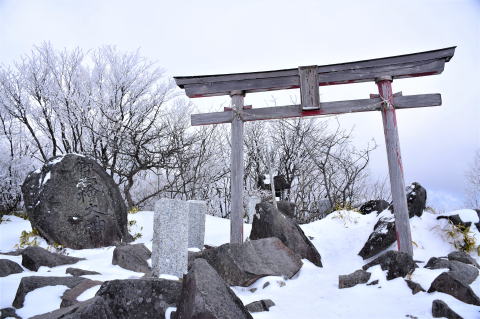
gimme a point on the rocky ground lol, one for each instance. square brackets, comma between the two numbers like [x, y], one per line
[345, 286]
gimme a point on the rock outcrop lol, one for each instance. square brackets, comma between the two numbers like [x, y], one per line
[269, 222]
[72, 201]
[378, 206]
[397, 264]
[242, 264]
[205, 295]
[35, 257]
[357, 277]
[8, 267]
[448, 284]
[132, 257]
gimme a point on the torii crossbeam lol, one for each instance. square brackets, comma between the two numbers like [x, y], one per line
[308, 78]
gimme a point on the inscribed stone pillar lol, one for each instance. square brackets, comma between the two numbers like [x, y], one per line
[196, 223]
[170, 237]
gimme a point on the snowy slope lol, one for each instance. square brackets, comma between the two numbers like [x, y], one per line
[312, 293]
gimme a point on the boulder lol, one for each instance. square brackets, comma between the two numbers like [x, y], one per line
[80, 272]
[463, 257]
[382, 237]
[28, 284]
[140, 298]
[458, 270]
[358, 277]
[72, 201]
[260, 305]
[8, 313]
[416, 199]
[378, 206]
[132, 257]
[441, 310]
[242, 264]
[269, 222]
[94, 308]
[205, 295]
[397, 264]
[415, 287]
[456, 220]
[448, 284]
[287, 208]
[70, 296]
[35, 257]
[8, 267]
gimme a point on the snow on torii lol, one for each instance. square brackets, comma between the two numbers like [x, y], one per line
[308, 79]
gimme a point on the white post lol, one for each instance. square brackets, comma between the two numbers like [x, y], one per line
[237, 169]
[397, 183]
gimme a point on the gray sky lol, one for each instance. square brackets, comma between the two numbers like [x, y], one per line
[208, 37]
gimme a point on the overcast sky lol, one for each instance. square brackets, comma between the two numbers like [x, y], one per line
[209, 37]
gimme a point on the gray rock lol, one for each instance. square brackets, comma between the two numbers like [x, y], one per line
[7, 313]
[460, 271]
[205, 295]
[72, 201]
[448, 284]
[8, 267]
[415, 287]
[94, 308]
[353, 279]
[456, 220]
[170, 237]
[69, 297]
[28, 284]
[441, 310]
[260, 305]
[140, 298]
[242, 264]
[382, 237]
[80, 272]
[416, 199]
[373, 283]
[35, 257]
[397, 264]
[463, 257]
[269, 222]
[286, 208]
[132, 257]
[378, 206]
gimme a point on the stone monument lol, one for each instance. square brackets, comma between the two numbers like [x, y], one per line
[72, 201]
[196, 223]
[170, 237]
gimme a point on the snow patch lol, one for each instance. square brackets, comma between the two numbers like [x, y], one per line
[89, 293]
[46, 178]
[466, 215]
[42, 300]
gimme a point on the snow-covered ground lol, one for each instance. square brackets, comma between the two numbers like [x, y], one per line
[312, 293]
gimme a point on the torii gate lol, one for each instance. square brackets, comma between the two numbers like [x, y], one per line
[308, 79]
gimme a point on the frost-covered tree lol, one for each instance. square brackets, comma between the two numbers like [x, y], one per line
[473, 180]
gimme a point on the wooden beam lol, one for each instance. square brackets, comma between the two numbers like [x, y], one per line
[337, 107]
[395, 168]
[403, 66]
[237, 170]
